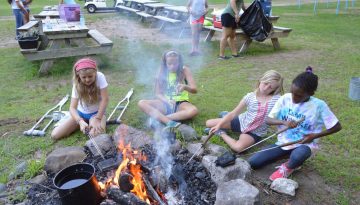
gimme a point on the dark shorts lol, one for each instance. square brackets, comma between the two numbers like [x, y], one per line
[85, 116]
[169, 109]
[228, 21]
[235, 127]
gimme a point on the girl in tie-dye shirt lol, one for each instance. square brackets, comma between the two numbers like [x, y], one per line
[292, 107]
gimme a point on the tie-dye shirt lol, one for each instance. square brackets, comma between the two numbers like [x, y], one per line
[316, 113]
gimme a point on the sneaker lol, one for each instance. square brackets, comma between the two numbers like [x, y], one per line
[207, 130]
[172, 124]
[223, 113]
[194, 53]
[282, 172]
[223, 57]
[153, 123]
[219, 132]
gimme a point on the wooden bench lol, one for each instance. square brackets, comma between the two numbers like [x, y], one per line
[125, 8]
[166, 20]
[143, 15]
[100, 38]
[28, 26]
[277, 32]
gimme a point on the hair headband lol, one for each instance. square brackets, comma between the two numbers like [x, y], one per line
[85, 63]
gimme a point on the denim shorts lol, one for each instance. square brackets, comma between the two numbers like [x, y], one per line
[169, 109]
[86, 116]
[235, 127]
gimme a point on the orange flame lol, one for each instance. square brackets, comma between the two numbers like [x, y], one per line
[129, 164]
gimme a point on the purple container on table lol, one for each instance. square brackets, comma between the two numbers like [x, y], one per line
[69, 12]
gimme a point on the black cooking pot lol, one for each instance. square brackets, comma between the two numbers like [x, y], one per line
[77, 185]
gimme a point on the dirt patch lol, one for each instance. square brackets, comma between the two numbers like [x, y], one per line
[312, 188]
[9, 121]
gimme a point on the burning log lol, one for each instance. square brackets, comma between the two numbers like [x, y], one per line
[121, 197]
[152, 192]
[125, 182]
[158, 179]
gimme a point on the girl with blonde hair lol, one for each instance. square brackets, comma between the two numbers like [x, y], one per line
[89, 100]
[251, 123]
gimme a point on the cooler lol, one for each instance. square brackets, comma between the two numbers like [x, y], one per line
[217, 21]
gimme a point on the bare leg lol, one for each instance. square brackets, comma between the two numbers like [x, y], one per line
[155, 109]
[244, 141]
[224, 36]
[232, 38]
[196, 29]
[64, 129]
[212, 122]
[185, 111]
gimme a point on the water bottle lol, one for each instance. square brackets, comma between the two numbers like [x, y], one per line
[48, 23]
[82, 19]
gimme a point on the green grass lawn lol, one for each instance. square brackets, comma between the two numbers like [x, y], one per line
[329, 43]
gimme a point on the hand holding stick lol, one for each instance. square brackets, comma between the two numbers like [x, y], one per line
[202, 146]
[276, 133]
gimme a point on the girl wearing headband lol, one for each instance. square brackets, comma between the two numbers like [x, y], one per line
[89, 99]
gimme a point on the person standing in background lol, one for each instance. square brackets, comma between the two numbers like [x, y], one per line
[26, 4]
[19, 12]
[229, 21]
[197, 10]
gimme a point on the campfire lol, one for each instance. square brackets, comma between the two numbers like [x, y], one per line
[129, 176]
[140, 171]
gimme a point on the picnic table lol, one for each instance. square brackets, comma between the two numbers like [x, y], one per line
[133, 6]
[138, 4]
[154, 8]
[51, 13]
[277, 32]
[64, 39]
[175, 16]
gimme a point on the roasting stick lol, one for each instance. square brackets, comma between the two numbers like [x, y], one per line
[282, 145]
[202, 146]
[276, 133]
[87, 133]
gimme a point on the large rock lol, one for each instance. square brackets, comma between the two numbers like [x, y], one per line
[237, 192]
[63, 157]
[19, 171]
[104, 143]
[214, 149]
[285, 186]
[2, 187]
[127, 134]
[193, 148]
[39, 179]
[240, 170]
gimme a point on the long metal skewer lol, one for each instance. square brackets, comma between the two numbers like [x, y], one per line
[282, 145]
[87, 133]
[276, 133]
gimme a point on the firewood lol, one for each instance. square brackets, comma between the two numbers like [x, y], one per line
[125, 182]
[121, 197]
[152, 192]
